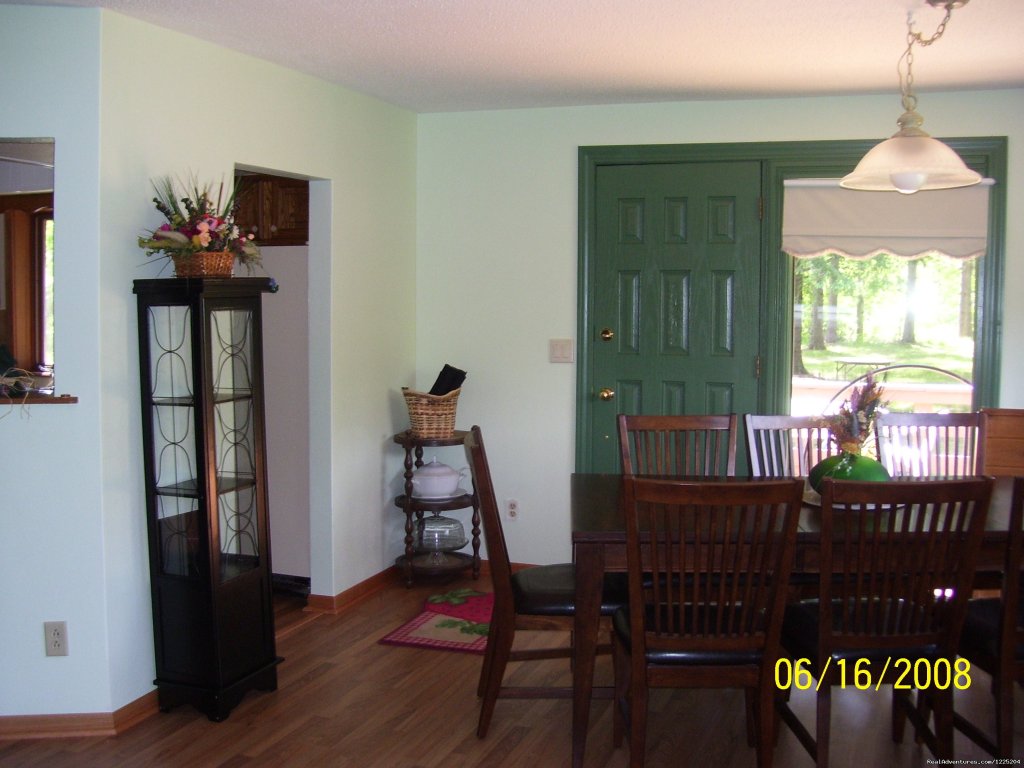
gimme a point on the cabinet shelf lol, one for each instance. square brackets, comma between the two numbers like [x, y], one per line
[423, 564]
[434, 505]
[189, 488]
[231, 395]
[186, 401]
[220, 396]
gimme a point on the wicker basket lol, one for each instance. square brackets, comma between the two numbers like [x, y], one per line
[204, 264]
[431, 416]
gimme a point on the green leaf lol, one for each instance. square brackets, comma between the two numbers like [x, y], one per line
[455, 597]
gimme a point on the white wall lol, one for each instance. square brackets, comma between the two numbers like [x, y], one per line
[497, 258]
[286, 387]
[72, 522]
[52, 539]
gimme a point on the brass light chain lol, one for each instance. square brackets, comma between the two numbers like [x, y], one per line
[907, 84]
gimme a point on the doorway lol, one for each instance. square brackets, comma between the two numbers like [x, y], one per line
[676, 262]
[276, 209]
[773, 306]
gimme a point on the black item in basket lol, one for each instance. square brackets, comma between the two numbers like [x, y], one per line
[448, 380]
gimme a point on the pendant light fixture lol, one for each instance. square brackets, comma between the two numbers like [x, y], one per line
[912, 160]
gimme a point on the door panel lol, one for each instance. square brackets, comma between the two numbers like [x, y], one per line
[676, 281]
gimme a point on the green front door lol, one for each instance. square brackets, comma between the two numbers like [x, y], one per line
[674, 322]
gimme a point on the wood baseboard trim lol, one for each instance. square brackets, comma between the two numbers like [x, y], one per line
[351, 597]
[284, 584]
[135, 712]
[78, 726]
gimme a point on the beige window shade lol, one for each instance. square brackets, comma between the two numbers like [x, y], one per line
[820, 217]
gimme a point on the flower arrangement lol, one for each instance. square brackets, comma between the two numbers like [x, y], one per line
[851, 425]
[196, 223]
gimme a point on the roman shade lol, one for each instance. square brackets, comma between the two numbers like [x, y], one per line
[819, 217]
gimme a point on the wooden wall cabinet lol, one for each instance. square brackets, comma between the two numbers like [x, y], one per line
[201, 375]
[273, 208]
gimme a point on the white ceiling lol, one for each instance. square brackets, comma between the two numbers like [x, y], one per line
[454, 55]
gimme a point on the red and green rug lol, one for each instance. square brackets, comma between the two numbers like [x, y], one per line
[452, 621]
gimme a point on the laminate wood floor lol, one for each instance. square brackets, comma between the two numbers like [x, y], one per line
[345, 701]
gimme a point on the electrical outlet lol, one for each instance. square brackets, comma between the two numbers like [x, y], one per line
[512, 507]
[56, 635]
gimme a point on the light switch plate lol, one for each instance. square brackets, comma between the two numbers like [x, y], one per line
[560, 351]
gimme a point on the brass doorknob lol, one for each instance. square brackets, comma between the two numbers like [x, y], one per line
[607, 334]
[606, 394]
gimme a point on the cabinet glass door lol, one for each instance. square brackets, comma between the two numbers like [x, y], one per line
[179, 518]
[231, 374]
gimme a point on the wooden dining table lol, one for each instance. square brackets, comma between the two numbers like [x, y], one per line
[599, 546]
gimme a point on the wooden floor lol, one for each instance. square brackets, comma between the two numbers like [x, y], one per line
[346, 701]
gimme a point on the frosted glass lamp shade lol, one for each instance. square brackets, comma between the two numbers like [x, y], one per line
[910, 163]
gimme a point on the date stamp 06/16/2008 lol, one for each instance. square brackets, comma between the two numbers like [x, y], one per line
[904, 674]
[970, 761]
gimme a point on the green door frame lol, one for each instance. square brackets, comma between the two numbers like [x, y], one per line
[781, 161]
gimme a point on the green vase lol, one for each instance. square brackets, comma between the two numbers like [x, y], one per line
[847, 466]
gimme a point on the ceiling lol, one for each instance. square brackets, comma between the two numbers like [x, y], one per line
[456, 55]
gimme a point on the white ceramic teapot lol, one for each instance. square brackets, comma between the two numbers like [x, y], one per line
[435, 480]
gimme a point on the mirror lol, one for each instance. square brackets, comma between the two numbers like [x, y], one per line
[26, 254]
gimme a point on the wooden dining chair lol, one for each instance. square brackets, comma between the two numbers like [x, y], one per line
[929, 444]
[897, 564]
[539, 597]
[708, 563]
[993, 639]
[785, 446]
[1002, 441]
[692, 445]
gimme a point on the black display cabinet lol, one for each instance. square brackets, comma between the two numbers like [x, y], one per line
[201, 371]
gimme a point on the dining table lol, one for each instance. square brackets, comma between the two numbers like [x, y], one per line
[599, 547]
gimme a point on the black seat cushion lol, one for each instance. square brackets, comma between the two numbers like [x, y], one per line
[980, 636]
[800, 638]
[680, 655]
[550, 590]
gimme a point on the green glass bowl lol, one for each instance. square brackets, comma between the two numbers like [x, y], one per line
[847, 466]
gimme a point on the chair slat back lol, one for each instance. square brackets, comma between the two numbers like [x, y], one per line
[709, 561]
[898, 559]
[687, 445]
[929, 444]
[494, 535]
[1003, 441]
[785, 446]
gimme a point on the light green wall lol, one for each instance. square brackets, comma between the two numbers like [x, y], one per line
[127, 101]
[498, 249]
[443, 238]
[52, 547]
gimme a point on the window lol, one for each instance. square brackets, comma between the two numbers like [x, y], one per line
[831, 160]
[912, 320]
[884, 283]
